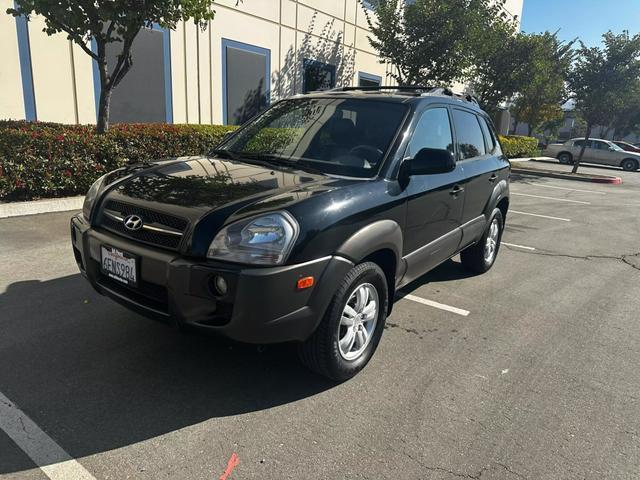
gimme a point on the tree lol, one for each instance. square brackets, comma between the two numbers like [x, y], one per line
[628, 120]
[543, 84]
[500, 65]
[603, 79]
[111, 21]
[431, 42]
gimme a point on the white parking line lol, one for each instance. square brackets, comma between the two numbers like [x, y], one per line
[54, 462]
[565, 188]
[541, 216]
[433, 304]
[551, 198]
[518, 246]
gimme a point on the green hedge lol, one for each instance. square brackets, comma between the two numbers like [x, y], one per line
[39, 160]
[517, 146]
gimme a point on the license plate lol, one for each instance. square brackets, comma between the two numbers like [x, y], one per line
[119, 265]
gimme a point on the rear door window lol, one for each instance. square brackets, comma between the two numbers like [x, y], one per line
[469, 135]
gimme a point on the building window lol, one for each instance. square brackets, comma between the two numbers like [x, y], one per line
[245, 81]
[368, 80]
[144, 94]
[318, 76]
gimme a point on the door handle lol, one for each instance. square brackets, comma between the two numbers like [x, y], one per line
[456, 190]
[493, 178]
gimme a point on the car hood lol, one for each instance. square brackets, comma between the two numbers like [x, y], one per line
[191, 187]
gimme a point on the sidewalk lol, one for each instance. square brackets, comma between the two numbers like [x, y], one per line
[530, 166]
[49, 205]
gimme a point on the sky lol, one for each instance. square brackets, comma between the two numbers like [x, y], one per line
[585, 19]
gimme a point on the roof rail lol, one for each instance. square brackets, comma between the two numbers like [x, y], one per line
[426, 90]
[383, 87]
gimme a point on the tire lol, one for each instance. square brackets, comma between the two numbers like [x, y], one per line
[566, 158]
[477, 258]
[322, 353]
[629, 164]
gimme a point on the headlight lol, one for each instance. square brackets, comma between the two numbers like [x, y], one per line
[263, 240]
[90, 198]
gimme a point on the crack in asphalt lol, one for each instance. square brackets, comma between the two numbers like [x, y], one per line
[621, 258]
[506, 467]
[446, 470]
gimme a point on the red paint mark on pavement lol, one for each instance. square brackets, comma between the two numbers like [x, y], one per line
[233, 462]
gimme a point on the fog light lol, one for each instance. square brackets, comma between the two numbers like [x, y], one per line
[220, 285]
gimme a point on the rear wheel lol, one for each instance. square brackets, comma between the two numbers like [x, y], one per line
[629, 164]
[565, 158]
[350, 331]
[480, 257]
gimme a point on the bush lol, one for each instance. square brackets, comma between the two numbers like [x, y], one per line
[516, 146]
[51, 160]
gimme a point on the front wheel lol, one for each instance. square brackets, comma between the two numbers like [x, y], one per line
[480, 257]
[350, 330]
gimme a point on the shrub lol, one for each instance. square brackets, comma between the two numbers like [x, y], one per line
[52, 160]
[516, 146]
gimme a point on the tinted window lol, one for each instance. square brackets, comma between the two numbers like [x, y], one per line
[246, 84]
[469, 133]
[140, 96]
[580, 143]
[340, 136]
[488, 135]
[318, 76]
[433, 131]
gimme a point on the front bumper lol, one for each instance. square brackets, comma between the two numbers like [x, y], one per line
[262, 305]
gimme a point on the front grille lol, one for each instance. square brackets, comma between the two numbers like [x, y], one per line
[158, 220]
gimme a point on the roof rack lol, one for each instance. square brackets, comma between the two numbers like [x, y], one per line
[425, 90]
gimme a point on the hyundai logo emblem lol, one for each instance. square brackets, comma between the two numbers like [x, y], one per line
[132, 222]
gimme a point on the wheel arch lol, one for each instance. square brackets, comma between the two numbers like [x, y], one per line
[379, 242]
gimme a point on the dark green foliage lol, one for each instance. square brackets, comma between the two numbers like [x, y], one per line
[52, 160]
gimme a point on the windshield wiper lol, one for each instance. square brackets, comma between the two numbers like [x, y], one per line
[280, 161]
[221, 152]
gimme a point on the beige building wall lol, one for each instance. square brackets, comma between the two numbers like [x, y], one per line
[331, 31]
[11, 100]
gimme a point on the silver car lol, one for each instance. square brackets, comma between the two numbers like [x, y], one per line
[598, 151]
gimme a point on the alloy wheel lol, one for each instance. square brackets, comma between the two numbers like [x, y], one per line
[358, 321]
[491, 244]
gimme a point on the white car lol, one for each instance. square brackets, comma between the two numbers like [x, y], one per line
[598, 151]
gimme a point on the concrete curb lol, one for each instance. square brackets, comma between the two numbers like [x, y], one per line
[568, 176]
[50, 205]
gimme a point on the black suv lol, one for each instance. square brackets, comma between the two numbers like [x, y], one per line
[302, 224]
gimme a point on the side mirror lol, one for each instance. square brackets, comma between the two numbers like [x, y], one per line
[430, 161]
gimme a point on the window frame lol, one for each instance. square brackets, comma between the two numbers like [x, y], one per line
[247, 48]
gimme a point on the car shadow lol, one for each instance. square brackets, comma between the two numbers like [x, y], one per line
[445, 272]
[96, 377]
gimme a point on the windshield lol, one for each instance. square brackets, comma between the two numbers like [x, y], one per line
[336, 136]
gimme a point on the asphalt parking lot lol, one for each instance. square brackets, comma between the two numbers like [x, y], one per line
[528, 372]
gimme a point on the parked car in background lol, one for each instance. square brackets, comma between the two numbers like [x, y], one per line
[303, 224]
[627, 147]
[598, 151]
